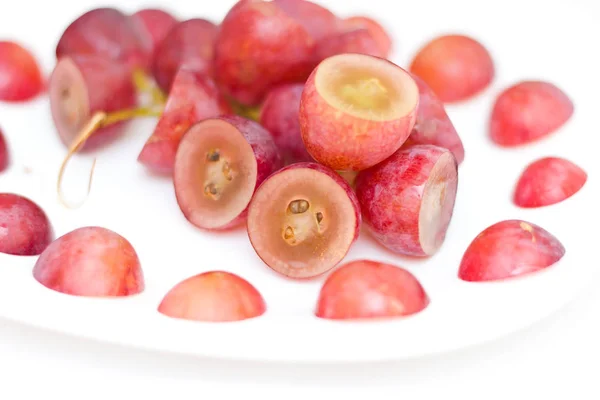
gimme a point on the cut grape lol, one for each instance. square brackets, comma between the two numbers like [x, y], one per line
[82, 85]
[219, 164]
[24, 227]
[303, 220]
[527, 112]
[366, 290]
[20, 75]
[90, 261]
[508, 249]
[193, 97]
[456, 67]
[357, 110]
[547, 181]
[407, 201]
[215, 296]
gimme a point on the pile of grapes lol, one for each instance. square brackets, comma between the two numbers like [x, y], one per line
[291, 122]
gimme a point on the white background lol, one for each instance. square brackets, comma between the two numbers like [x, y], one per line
[557, 356]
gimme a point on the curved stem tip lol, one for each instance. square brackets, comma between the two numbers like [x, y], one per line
[99, 120]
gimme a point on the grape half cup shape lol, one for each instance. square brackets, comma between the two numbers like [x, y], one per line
[407, 201]
[357, 110]
[214, 296]
[547, 181]
[26, 230]
[219, 164]
[456, 67]
[91, 262]
[303, 220]
[83, 85]
[508, 249]
[527, 112]
[21, 78]
[91, 97]
[366, 289]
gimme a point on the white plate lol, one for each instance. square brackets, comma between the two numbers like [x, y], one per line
[142, 207]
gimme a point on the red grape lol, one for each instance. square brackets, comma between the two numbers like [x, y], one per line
[20, 75]
[90, 261]
[215, 296]
[24, 227]
[109, 33]
[4, 153]
[155, 23]
[189, 43]
[366, 289]
[193, 97]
